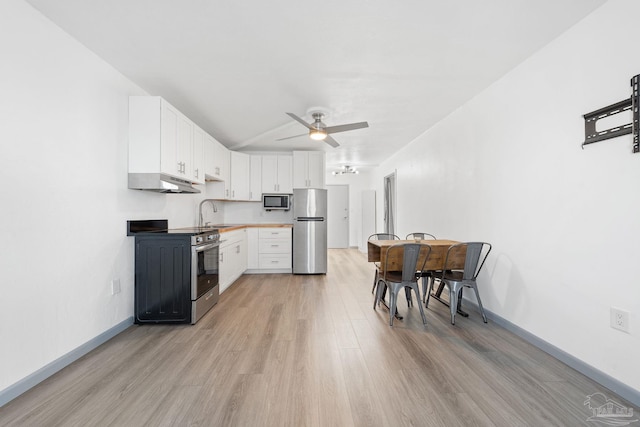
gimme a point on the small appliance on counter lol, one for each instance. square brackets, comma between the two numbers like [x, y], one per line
[310, 231]
[176, 271]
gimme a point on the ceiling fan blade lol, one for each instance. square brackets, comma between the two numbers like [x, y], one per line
[343, 128]
[332, 142]
[294, 136]
[298, 119]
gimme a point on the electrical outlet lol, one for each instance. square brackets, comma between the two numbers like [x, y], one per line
[619, 319]
[115, 286]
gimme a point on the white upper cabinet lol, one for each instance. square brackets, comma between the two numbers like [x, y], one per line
[216, 160]
[285, 178]
[277, 174]
[198, 155]
[239, 176]
[160, 139]
[309, 169]
[269, 174]
[255, 178]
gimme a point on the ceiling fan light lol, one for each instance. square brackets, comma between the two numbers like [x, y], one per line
[317, 134]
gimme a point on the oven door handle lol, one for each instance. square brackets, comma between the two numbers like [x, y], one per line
[206, 247]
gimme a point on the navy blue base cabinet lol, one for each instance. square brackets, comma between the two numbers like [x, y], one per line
[162, 279]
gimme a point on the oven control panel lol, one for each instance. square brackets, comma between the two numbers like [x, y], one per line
[206, 238]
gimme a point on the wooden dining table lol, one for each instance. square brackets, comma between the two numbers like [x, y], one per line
[377, 252]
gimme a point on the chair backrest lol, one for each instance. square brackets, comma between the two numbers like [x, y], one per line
[383, 236]
[410, 256]
[476, 255]
[420, 236]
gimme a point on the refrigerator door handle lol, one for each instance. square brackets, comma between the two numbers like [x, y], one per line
[314, 218]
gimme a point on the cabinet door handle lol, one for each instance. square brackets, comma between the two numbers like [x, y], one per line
[217, 170]
[275, 246]
[196, 173]
[238, 249]
[221, 256]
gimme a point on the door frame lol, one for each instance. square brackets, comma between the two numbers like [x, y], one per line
[389, 203]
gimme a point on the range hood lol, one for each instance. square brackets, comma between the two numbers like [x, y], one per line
[160, 183]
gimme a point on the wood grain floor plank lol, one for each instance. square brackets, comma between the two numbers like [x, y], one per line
[290, 350]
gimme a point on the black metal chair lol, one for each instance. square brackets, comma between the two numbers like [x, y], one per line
[407, 278]
[456, 280]
[380, 236]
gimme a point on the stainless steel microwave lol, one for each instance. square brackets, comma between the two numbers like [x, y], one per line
[276, 201]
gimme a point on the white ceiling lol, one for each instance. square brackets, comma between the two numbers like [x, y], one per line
[235, 67]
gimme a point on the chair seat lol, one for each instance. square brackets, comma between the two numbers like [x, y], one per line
[454, 276]
[394, 276]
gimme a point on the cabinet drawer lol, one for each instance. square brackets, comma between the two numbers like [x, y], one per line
[275, 261]
[231, 237]
[274, 233]
[274, 246]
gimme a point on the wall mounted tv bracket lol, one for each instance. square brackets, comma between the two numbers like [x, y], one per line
[591, 135]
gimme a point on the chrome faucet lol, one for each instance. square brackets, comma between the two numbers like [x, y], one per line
[215, 209]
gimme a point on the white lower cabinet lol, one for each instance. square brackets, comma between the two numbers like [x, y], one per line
[253, 255]
[233, 257]
[270, 250]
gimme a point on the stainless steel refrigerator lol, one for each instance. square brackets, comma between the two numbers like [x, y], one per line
[309, 231]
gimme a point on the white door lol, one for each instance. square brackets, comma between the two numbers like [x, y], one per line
[338, 216]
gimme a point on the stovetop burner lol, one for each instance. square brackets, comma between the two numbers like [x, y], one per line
[189, 230]
[199, 235]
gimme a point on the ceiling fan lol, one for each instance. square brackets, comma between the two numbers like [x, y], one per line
[320, 132]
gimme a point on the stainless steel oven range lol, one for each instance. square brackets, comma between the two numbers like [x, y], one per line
[176, 274]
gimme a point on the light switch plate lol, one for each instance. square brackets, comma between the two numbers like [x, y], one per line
[115, 286]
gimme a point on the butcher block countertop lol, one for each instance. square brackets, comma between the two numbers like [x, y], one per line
[223, 228]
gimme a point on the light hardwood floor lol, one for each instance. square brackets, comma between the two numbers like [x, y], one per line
[284, 350]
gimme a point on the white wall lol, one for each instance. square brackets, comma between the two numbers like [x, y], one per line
[64, 194]
[508, 168]
[252, 212]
